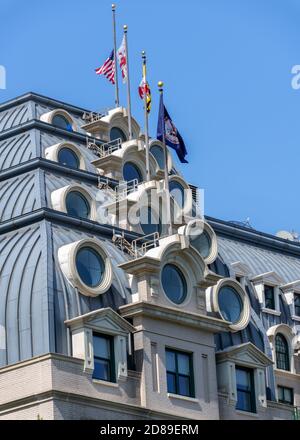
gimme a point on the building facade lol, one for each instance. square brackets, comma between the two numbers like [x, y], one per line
[104, 317]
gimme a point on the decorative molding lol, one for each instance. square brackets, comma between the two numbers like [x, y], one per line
[179, 316]
[67, 259]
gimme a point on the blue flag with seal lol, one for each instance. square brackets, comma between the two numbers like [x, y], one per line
[166, 131]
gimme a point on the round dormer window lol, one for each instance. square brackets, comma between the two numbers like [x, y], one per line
[116, 133]
[90, 267]
[230, 304]
[174, 283]
[68, 157]
[77, 205]
[230, 301]
[62, 122]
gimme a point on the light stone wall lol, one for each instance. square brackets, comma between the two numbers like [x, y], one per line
[290, 380]
[152, 343]
[274, 411]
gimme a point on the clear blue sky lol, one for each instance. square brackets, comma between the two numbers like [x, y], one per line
[227, 72]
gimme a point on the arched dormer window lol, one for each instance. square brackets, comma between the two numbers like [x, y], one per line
[282, 353]
[59, 118]
[61, 122]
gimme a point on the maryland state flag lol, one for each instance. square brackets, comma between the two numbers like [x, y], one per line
[144, 89]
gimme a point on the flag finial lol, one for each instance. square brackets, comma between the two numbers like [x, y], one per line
[160, 86]
[125, 27]
[113, 6]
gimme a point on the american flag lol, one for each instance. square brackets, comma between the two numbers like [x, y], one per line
[108, 69]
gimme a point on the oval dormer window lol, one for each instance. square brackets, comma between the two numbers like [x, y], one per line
[174, 283]
[90, 266]
[230, 304]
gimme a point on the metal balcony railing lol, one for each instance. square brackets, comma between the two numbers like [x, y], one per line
[104, 149]
[124, 188]
[90, 117]
[141, 245]
[137, 248]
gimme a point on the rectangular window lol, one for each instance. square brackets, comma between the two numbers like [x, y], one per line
[179, 367]
[245, 389]
[103, 358]
[269, 297]
[286, 395]
[297, 304]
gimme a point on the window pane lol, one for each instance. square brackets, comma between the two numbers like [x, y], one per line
[158, 153]
[177, 192]
[243, 379]
[170, 359]
[282, 353]
[68, 158]
[171, 382]
[280, 393]
[77, 205]
[245, 390]
[90, 267]
[101, 347]
[117, 133]
[183, 363]
[244, 401]
[230, 304]
[288, 395]
[102, 370]
[131, 172]
[184, 385]
[61, 122]
[202, 243]
[174, 283]
[269, 297]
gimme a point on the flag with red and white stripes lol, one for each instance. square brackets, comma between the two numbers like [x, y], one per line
[108, 69]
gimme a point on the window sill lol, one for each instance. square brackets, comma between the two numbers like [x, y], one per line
[271, 311]
[106, 383]
[186, 398]
[247, 413]
[296, 318]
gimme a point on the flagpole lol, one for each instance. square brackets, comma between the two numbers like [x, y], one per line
[117, 100]
[167, 187]
[146, 119]
[125, 27]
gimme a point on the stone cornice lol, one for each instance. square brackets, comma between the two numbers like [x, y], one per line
[178, 316]
[109, 313]
[141, 265]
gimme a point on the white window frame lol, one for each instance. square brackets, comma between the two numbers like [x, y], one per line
[103, 322]
[268, 279]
